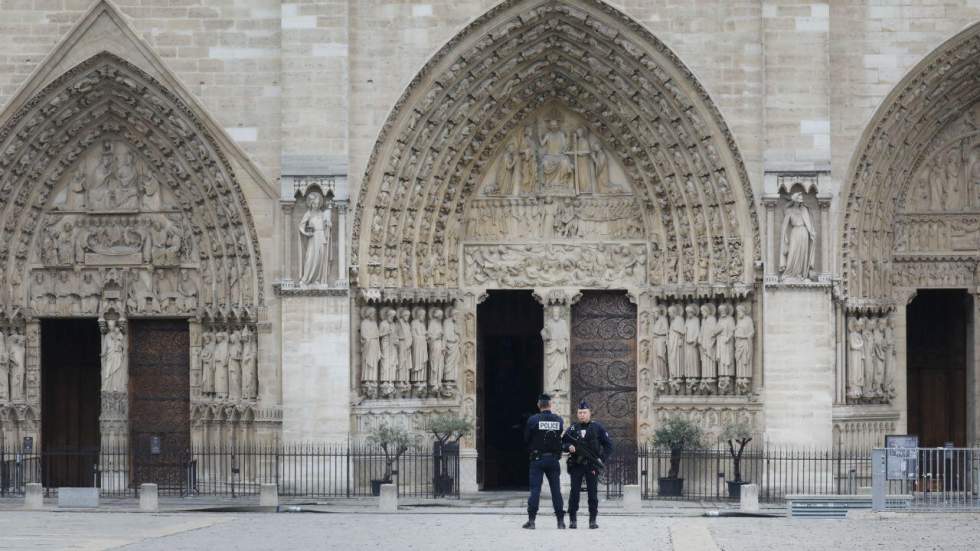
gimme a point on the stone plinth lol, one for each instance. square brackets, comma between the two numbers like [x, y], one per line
[149, 498]
[798, 357]
[269, 495]
[632, 499]
[33, 496]
[78, 497]
[749, 498]
[315, 374]
[389, 498]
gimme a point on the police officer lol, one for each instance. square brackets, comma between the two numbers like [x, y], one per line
[590, 434]
[543, 438]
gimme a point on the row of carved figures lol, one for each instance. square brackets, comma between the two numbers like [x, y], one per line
[403, 355]
[229, 368]
[87, 240]
[701, 348]
[13, 352]
[871, 359]
[68, 292]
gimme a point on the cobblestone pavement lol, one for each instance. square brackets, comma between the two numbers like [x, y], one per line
[475, 530]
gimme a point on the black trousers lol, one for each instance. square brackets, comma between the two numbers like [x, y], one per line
[549, 467]
[577, 473]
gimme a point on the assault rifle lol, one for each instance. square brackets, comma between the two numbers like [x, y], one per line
[583, 451]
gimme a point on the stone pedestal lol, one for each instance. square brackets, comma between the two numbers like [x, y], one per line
[33, 496]
[799, 366]
[315, 373]
[632, 498]
[467, 471]
[149, 498]
[389, 498]
[749, 498]
[269, 495]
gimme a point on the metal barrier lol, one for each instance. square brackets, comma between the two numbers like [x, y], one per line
[299, 470]
[946, 479]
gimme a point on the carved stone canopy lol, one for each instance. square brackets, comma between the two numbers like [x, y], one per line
[641, 103]
[118, 174]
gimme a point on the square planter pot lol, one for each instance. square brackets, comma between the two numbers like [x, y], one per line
[672, 487]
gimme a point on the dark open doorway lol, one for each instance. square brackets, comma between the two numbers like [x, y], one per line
[71, 382]
[510, 367]
[938, 336]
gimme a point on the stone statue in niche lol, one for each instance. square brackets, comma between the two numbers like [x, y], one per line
[797, 240]
[867, 334]
[250, 372]
[675, 346]
[221, 365]
[114, 371]
[529, 164]
[420, 351]
[937, 188]
[744, 345]
[99, 195]
[437, 349]
[855, 358]
[661, 330]
[879, 356]
[726, 348]
[151, 199]
[451, 336]
[370, 351]
[127, 193]
[315, 229]
[65, 244]
[404, 335]
[16, 358]
[692, 359]
[4, 369]
[234, 365]
[207, 363]
[556, 339]
[387, 329]
[709, 347]
[77, 191]
[891, 359]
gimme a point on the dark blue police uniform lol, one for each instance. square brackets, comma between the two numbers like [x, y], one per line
[594, 436]
[543, 438]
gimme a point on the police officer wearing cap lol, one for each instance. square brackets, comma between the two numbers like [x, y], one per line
[543, 436]
[590, 434]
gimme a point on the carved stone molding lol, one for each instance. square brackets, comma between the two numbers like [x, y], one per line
[598, 265]
[643, 106]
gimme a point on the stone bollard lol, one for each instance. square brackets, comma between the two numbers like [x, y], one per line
[632, 501]
[269, 495]
[34, 496]
[149, 498]
[750, 498]
[389, 498]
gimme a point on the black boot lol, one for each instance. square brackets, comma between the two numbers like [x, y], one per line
[530, 521]
[592, 523]
[572, 522]
[561, 520]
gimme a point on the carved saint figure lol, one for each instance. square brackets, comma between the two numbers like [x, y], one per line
[509, 171]
[879, 356]
[370, 350]
[675, 345]
[867, 333]
[66, 244]
[77, 189]
[744, 340]
[855, 358]
[556, 167]
[937, 186]
[315, 227]
[451, 336]
[708, 346]
[189, 290]
[234, 366]
[4, 369]
[250, 373]
[726, 349]
[221, 365]
[404, 333]
[127, 194]
[389, 351]
[797, 240]
[529, 163]
[584, 167]
[207, 363]
[105, 178]
[420, 350]
[556, 341]
[953, 196]
[692, 359]
[114, 372]
[437, 349]
[16, 353]
[661, 328]
[600, 164]
[150, 200]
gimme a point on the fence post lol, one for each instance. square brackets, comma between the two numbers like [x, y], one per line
[878, 480]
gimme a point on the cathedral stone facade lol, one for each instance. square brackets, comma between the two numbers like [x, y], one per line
[260, 221]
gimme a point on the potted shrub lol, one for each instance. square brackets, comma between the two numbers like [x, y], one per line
[738, 433]
[394, 442]
[675, 435]
[447, 429]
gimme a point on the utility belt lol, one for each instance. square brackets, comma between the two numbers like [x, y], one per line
[538, 455]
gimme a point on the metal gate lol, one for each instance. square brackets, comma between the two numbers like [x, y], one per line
[604, 374]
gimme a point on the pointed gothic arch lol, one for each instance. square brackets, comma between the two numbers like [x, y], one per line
[641, 101]
[911, 197]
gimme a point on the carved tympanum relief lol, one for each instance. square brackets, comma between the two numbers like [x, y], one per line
[871, 358]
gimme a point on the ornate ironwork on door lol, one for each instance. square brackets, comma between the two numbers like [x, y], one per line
[604, 362]
[159, 370]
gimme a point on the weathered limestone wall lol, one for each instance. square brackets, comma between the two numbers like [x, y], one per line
[315, 377]
[799, 366]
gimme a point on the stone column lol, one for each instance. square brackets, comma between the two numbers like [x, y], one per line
[342, 243]
[467, 385]
[288, 238]
[114, 417]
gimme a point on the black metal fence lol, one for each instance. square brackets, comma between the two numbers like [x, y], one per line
[298, 470]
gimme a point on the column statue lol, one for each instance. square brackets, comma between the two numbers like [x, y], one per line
[855, 358]
[4, 370]
[692, 360]
[207, 363]
[709, 347]
[404, 334]
[451, 336]
[744, 346]
[437, 350]
[114, 372]
[675, 346]
[221, 365]
[234, 366]
[420, 351]
[389, 351]
[726, 348]
[370, 351]
[556, 341]
[661, 329]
